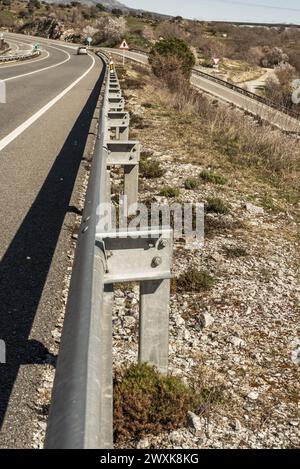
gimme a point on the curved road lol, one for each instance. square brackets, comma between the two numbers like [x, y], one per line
[47, 132]
[273, 116]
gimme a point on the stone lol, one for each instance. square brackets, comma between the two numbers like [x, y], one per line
[195, 424]
[296, 356]
[129, 321]
[206, 320]
[237, 342]
[143, 444]
[237, 425]
[253, 395]
[254, 210]
[176, 438]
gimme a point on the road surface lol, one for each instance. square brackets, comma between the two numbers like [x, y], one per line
[46, 128]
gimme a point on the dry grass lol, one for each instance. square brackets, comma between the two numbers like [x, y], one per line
[243, 142]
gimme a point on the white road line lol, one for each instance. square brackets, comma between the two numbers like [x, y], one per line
[42, 69]
[19, 130]
[44, 41]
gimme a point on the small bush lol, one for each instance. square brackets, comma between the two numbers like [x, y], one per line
[150, 169]
[235, 251]
[194, 281]
[209, 176]
[191, 184]
[147, 402]
[216, 205]
[170, 192]
[174, 48]
[137, 122]
[134, 83]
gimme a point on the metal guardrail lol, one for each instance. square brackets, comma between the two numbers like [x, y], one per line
[17, 57]
[81, 412]
[238, 89]
[249, 94]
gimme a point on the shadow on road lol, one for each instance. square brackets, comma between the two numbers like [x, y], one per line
[26, 263]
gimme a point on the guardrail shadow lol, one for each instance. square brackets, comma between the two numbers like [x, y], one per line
[26, 263]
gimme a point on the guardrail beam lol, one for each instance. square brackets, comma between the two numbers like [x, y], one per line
[127, 154]
[116, 104]
[119, 122]
[114, 93]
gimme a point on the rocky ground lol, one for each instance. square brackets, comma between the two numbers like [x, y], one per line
[243, 335]
[240, 339]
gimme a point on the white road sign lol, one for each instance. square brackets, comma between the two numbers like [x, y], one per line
[124, 45]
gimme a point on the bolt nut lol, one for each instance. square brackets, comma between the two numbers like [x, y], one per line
[163, 243]
[157, 261]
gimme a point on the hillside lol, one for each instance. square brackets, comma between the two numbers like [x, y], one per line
[246, 55]
[109, 4]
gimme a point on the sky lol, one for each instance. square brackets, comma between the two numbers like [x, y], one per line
[265, 11]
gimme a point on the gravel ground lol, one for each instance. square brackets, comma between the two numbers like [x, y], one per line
[243, 334]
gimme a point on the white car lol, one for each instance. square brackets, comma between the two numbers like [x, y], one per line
[82, 50]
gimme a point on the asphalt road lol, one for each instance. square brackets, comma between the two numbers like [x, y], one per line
[47, 132]
[275, 117]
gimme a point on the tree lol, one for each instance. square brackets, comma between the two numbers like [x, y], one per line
[273, 56]
[110, 30]
[167, 50]
[117, 12]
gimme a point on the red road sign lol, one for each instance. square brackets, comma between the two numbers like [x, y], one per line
[124, 45]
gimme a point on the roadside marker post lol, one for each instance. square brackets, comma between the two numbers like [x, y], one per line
[2, 92]
[89, 41]
[124, 46]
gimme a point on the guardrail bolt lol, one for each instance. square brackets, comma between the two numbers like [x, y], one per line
[157, 261]
[163, 243]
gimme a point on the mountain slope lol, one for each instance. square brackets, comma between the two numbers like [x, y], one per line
[109, 4]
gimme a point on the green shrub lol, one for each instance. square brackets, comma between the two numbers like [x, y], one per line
[216, 205]
[170, 192]
[209, 176]
[235, 251]
[168, 49]
[191, 183]
[147, 402]
[193, 280]
[150, 169]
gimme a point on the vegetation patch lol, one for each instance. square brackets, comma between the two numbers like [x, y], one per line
[233, 252]
[209, 176]
[216, 205]
[191, 183]
[193, 281]
[150, 169]
[170, 192]
[146, 402]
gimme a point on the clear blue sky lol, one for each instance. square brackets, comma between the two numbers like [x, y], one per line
[265, 11]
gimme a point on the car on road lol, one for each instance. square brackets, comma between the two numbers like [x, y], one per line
[82, 50]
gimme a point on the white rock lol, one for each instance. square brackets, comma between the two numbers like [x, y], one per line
[237, 342]
[254, 210]
[179, 321]
[296, 356]
[237, 425]
[129, 321]
[176, 438]
[143, 444]
[206, 320]
[195, 424]
[253, 395]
